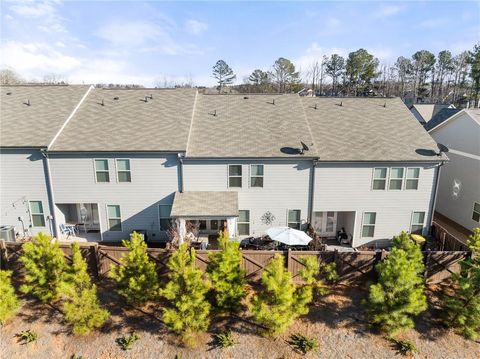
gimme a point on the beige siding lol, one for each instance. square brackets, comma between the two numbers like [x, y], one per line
[22, 180]
[286, 186]
[347, 187]
[154, 181]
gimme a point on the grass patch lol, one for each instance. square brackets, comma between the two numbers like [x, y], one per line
[128, 341]
[27, 336]
[303, 344]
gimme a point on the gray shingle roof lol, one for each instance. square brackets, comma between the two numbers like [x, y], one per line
[130, 123]
[362, 129]
[440, 117]
[205, 204]
[247, 126]
[428, 110]
[35, 125]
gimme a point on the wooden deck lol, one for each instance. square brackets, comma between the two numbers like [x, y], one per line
[460, 233]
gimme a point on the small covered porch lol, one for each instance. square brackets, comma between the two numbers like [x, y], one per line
[336, 228]
[78, 221]
[199, 216]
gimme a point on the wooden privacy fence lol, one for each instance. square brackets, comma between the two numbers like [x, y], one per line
[447, 241]
[352, 267]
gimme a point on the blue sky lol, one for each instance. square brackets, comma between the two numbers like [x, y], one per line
[148, 42]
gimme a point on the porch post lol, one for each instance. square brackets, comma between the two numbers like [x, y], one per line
[181, 229]
[232, 227]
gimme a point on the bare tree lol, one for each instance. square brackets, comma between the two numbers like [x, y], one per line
[10, 77]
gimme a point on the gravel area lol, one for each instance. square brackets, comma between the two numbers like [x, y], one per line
[336, 321]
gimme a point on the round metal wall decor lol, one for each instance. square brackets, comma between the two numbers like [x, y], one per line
[268, 218]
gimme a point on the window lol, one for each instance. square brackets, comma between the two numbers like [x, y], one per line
[123, 171]
[164, 211]
[36, 211]
[243, 223]
[379, 178]
[214, 224]
[368, 228]
[256, 176]
[114, 218]
[412, 178]
[476, 212]
[396, 179]
[418, 218]
[294, 218]
[101, 171]
[202, 224]
[235, 176]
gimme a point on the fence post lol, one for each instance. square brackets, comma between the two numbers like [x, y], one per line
[94, 254]
[3, 255]
[427, 263]
[289, 260]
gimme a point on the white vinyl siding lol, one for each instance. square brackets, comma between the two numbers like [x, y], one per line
[114, 218]
[379, 178]
[235, 176]
[101, 170]
[123, 170]
[476, 212]
[37, 214]
[368, 226]
[256, 175]
[164, 211]
[396, 178]
[413, 175]
[243, 223]
[418, 221]
[294, 218]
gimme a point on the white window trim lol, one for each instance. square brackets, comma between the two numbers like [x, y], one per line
[299, 220]
[159, 217]
[250, 175]
[386, 179]
[370, 225]
[95, 169]
[412, 178]
[108, 218]
[31, 214]
[401, 179]
[473, 210]
[249, 226]
[228, 175]
[418, 224]
[116, 169]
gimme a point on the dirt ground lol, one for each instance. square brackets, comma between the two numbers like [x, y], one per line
[336, 322]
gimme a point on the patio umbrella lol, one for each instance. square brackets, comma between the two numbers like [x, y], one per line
[289, 236]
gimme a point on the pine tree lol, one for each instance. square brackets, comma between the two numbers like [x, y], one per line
[280, 302]
[44, 267]
[81, 307]
[399, 294]
[462, 308]
[8, 299]
[226, 274]
[186, 290]
[136, 276]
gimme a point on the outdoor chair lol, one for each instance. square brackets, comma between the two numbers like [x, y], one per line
[67, 230]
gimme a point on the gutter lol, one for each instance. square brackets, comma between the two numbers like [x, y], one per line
[181, 156]
[435, 193]
[311, 198]
[51, 198]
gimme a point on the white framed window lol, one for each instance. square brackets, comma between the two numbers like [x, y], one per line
[102, 173]
[215, 224]
[165, 220]
[256, 175]
[234, 175]
[379, 178]
[368, 224]
[418, 221]
[476, 212]
[411, 181]
[396, 178]
[123, 170]
[294, 216]
[243, 222]
[36, 213]
[114, 218]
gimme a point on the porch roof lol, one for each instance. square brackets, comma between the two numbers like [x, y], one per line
[205, 204]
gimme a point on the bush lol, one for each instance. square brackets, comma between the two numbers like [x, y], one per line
[186, 290]
[127, 341]
[462, 309]
[81, 307]
[224, 340]
[28, 336]
[44, 264]
[136, 276]
[8, 299]
[303, 344]
[280, 302]
[226, 274]
[404, 347]
[399, 294]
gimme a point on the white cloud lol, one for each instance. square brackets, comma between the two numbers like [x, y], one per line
[389, 10]
[9, 17]
[33, 9]
[195, 27]
[433, 23]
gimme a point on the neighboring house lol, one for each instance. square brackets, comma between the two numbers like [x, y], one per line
[136, 159]
[459, 188]
[424, 112]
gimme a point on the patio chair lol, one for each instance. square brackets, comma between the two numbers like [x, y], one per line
[67, 230]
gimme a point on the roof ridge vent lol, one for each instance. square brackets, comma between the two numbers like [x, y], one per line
[214, 113]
